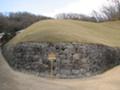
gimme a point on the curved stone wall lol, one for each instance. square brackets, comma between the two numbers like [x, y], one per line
[73, 60]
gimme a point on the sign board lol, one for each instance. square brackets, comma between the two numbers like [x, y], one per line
[51, 56]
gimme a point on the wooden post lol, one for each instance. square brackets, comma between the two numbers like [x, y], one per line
[51, 58]
[51, 70]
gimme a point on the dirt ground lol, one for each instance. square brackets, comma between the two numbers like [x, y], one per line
[12, 80]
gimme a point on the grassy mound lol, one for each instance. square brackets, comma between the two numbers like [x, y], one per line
[107, 33]
[77, 45]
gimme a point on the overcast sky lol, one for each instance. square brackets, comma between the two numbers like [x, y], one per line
[51, 7]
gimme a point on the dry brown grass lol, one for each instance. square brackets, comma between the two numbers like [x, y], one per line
[107, 33]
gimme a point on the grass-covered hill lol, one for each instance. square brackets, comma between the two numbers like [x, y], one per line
[73, 60]
[107, 33]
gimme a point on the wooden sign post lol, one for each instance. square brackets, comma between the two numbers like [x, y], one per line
[51, 58]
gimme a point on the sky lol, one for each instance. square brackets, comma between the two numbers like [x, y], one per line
[52, 7]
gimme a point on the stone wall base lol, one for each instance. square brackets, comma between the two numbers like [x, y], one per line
[73, 60]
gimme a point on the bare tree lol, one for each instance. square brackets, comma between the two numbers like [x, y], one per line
[100, 17]
[10, 24]
[113, 11]
[75, 16]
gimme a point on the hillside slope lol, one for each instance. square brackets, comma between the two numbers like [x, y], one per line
[107, 33]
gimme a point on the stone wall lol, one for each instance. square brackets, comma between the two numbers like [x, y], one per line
[73, 60]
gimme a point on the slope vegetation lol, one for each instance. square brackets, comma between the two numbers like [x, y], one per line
[107, 33]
